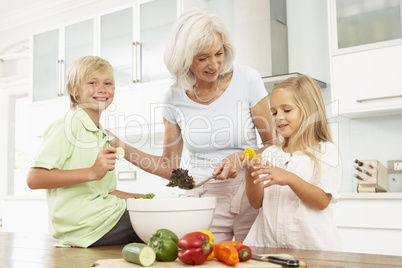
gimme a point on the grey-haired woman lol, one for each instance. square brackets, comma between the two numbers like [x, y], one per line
[213, 110]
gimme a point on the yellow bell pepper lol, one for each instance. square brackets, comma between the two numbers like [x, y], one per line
[249, 152]
[211, 241]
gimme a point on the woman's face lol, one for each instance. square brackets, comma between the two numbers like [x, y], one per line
[207, 65]
[285, 112]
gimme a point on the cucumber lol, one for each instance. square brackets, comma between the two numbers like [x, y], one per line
[138, 253]
[119, 153]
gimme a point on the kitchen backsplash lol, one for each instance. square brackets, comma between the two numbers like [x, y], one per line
[377, 138]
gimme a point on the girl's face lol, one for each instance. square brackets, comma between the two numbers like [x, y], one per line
[286, 114]
[207, 65]
[96, 93]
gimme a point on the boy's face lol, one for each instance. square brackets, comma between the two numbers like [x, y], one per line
[96, 93]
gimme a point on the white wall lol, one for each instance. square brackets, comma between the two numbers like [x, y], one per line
[363, 138]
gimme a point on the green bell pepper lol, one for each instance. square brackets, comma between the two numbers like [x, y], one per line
[164, 243]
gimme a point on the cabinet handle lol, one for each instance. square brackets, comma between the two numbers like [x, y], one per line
[61, 85]
[58, 77]
[379, 98]
[139, 61]
[134, 62]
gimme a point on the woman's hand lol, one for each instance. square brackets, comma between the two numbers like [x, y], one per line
[113, 140]
[105, 161]
[229, 166]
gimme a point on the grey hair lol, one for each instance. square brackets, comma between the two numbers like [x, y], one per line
[194, 32]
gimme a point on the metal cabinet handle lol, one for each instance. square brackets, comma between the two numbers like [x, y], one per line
[59, 77]
[134, 62]
[379, 98]
[61, 80]
[139, 61]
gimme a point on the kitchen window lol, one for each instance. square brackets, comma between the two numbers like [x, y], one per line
[22, 146]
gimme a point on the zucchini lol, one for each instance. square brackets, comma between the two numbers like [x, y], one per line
[139, 253]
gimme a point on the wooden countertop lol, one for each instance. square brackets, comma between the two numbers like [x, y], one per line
[38, 251]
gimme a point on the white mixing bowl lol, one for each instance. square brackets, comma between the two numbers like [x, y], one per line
[180, 215]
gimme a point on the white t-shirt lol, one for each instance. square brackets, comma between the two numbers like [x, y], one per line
[284, 221]
[212, 132]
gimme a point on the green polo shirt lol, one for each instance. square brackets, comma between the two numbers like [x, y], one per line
[80, 214]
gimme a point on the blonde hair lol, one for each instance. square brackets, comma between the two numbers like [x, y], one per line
[192, 33]
[81, 70]
[314, 124]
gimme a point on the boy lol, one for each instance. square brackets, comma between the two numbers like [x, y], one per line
[75, 163]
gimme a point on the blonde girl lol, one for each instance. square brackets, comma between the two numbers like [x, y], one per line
[295, 184]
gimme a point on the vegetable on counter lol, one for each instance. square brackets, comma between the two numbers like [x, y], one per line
[244, 252]
[195, 248]
[147, 196]
[138, 253]
[164, 243]
[181, 179]
[226, 252]
[249, 152]
[211, 241]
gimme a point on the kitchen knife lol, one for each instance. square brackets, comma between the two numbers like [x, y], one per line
[277, 260]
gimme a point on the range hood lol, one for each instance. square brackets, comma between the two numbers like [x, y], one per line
[271, 81]
[261, 39]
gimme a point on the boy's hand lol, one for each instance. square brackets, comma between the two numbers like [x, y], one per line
[105, 162]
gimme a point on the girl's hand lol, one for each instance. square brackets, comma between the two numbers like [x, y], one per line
[229, 165]
[250, 164]
[272, 174]
[104, 162]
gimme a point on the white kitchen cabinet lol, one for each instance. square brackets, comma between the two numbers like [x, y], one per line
[360, 87]
[53, 52]
[133, 40]
[366, 41]
[46, 64]
[370, 222]
[130, 38]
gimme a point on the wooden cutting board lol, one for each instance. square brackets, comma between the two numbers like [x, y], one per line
[121, 263]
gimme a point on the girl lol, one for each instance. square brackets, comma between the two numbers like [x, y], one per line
[75, 163]
[296, 183]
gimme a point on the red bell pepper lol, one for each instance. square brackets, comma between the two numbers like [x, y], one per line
[244, 252]
[195, 248]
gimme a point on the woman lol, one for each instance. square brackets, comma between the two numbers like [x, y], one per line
[212, 109]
